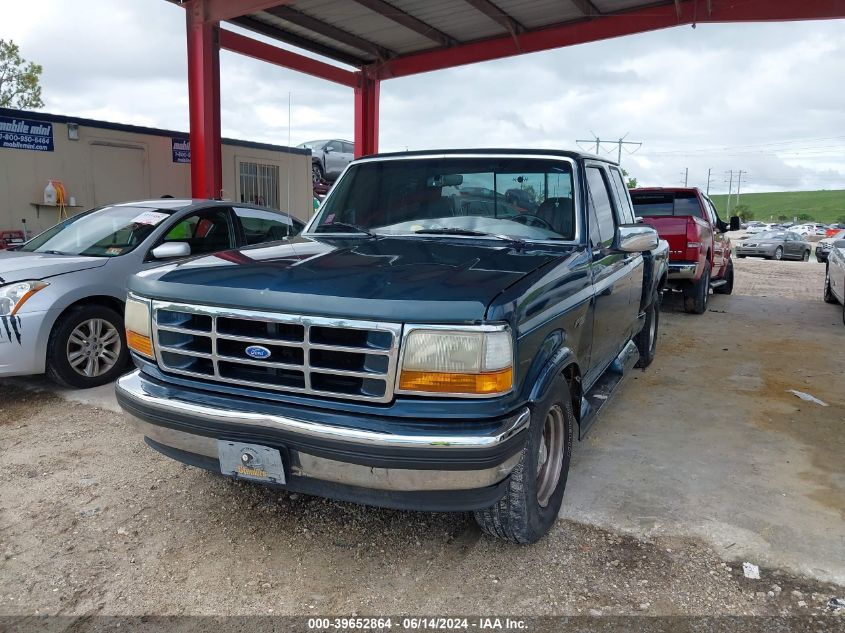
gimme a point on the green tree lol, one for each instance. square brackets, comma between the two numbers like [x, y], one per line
[782, 218]
[805, 217]
[631, 182]
[19, 79]
[745, 214]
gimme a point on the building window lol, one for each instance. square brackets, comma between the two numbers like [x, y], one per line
[260, 184]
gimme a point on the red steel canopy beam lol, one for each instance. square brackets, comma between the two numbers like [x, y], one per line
[204, 103]
[608, 26]
[219, 10]
[280, 57]
[366, 115]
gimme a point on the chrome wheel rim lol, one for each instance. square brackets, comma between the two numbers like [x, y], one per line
[778, 253]
[93, 348]
[550, 455]
[315, 173]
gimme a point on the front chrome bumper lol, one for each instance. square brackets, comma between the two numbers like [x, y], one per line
[153, 416]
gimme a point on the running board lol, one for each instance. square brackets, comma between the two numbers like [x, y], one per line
[600, 393]
[718, 282]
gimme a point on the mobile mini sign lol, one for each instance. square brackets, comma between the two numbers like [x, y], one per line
[181, 150]
[26, 134]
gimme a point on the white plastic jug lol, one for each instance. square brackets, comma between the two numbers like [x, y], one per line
[50, 194]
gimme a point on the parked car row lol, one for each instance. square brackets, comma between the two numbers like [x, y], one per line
[62, 293]
[824, 246]
[776, 244]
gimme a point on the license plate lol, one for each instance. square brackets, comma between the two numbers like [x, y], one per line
[250, 461]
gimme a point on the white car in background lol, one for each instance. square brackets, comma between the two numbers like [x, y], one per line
[757, 227]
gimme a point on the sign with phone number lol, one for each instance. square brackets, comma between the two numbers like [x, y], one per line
[28, 134]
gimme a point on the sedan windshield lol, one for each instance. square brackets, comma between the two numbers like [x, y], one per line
[771, 235]
[106, 232]
[472, 197]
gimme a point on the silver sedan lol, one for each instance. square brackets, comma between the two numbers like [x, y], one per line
[774, 245]
[834, 279]
[62, 293]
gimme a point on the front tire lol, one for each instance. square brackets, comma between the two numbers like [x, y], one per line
[535, 488]
[778, 253]
[646, 340]
[697, 295]
[728, 287]
[317, 174]
[87, 347]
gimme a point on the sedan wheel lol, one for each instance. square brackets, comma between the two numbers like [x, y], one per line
[93, 347]
[779, 253]
[87, 347]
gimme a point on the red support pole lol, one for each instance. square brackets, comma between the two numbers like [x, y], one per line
[204, 102]
[366, 115]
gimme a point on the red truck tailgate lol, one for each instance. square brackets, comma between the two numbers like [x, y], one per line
[673, 230]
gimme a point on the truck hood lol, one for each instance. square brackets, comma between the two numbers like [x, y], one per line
[16, 266]
[434, 280]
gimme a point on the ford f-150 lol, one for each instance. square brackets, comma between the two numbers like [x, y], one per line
[424, 344]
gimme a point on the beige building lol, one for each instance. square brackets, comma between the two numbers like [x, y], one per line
[100, 162]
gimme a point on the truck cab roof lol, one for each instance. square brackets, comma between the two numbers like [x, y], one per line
[507, 151]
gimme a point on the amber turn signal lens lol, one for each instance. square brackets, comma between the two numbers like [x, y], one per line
[139, 343]
[440, 382]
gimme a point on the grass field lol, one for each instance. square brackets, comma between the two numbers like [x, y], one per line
[822, 206]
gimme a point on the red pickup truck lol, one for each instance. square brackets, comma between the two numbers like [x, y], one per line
[699, 250]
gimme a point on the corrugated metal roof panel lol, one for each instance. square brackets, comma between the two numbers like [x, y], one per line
[360, 21]
[456, 18]
[314, 37]
[534, 14]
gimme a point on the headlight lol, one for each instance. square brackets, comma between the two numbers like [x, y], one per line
[469, 362]
[13, 296]
[138, 326]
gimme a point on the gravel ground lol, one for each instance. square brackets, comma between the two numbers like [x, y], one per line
[94, 522]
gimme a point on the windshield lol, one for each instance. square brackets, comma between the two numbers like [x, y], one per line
[681, 203]
[511, 197]
[771, 235]
[107, 232]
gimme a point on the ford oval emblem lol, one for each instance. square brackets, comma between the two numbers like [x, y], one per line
[258, 351]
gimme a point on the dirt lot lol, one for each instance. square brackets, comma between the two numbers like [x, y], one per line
[702, 462]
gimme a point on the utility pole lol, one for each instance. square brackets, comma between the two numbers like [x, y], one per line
[686, 177]
[739, 184]
[618, 143]
[730, 191]
[708, 181]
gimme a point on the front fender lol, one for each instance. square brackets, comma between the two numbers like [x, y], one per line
[552, 358]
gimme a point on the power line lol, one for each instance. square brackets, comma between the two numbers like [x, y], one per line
[619, 143]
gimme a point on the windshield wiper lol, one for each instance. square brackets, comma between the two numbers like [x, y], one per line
[343, 226]
[469, 232]
[54, 252]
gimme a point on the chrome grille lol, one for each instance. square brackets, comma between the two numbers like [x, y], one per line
[337, 358]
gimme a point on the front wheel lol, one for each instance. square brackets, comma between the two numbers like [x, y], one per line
[317, 174]
[535, 488]
[779, 253]
[697, 295]
[87, 347]
[646, 340]
[727, 287]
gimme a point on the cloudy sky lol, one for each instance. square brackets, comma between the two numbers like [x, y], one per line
[763, 98]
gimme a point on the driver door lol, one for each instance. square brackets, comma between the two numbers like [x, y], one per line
[334, 158]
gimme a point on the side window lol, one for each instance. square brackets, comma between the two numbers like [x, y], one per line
[711, 212]
[348, 148]
[601, 212]
[205, 232]
[335, 146]
[626, 211]
[263, 226]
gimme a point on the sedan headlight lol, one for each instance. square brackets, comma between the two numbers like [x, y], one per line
[138, 326]
[14, 295]
[460, 361]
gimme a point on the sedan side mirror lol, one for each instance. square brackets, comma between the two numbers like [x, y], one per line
[328, 149]
[169, 250]
[636, 238]
[735, 223]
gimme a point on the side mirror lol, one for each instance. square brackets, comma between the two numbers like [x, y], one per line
[169, 250]
[636, 238]
[328, 149]
[735, 223]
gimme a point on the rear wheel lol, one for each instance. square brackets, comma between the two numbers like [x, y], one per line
[829, 297]
[87, 347]
[697, 295]
[728, 287]
[646, 340]
[530, 505]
